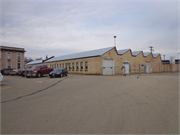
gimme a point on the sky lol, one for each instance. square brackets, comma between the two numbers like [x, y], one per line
[57, 27]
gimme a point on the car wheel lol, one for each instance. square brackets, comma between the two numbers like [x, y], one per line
[66, 74]
[50, 76]
[38, 74]
[28, 76]
[60, 75]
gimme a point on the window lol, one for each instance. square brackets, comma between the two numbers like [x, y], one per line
[9, 65]
[86, 66]
[69, 66]
[60, 65]
[72, 66]
[55, 65]
[8, 55]
[63, 65]
[81, 66]
[18, 56]
[18, 66]
[66, 65]
[77, 68]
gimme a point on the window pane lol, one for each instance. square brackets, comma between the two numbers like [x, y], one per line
[69, 66]
[9, 65]
[18, 66]
[18, 56]
[77, 68]
[86, 66]
[8, 55]
[72, 66]
[81, 66]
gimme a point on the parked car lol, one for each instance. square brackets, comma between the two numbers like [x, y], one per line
[38, 71]
[19, 72]
[1, 77]
[14, 71]
[24, 70]
[2, 71]
[58, 72]
[7, 70]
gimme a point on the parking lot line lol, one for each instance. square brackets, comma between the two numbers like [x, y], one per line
[2, 88]
[39, 82]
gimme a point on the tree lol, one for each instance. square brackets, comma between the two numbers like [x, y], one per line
[27, 59]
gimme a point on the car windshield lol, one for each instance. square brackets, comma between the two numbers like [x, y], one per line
[58, 69]
[28, 68]
[16, 69]
[35, 67]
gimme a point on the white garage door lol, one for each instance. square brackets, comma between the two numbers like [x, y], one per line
[108, 67]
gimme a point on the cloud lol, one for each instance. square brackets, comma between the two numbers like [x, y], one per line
[59, 28]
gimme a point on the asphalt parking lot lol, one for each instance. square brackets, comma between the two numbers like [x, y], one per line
[87, 104]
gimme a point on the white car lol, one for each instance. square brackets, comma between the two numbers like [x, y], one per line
[1, 77]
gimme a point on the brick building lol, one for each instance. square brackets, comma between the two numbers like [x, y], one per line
[104, 61]
[12, 57]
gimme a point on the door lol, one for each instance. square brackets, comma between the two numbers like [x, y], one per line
[126, 67]
[148, 67]
[108, 67]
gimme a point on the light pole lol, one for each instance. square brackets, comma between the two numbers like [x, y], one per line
[178, 56]
[114, 40]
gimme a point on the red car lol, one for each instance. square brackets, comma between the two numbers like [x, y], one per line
[38, 71]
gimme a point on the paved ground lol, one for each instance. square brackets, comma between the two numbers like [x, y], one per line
[80, 104]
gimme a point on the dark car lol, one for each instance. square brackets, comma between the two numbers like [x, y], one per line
[7, 70]
[23, 71]
[58, 72]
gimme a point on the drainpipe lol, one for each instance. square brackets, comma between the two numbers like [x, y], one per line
[139, 69]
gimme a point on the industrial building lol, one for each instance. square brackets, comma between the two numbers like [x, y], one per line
[105, 61]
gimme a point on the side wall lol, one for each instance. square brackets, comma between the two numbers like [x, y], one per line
[95, 64]
[13, 60]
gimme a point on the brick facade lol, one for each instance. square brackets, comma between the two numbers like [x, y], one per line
[12, 57]
[95, 64]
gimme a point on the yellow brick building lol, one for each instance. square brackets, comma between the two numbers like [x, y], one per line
[105, 61]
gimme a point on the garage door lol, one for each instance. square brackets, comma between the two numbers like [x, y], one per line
[108, 67]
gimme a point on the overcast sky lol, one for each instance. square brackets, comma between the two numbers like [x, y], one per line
[56, 27]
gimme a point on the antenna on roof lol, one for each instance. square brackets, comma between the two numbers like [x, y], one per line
[114, 40]
[151, 49]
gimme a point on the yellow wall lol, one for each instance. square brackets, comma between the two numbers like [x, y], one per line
[95, 64]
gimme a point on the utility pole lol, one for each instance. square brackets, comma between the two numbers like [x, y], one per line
[114, 40]
[151, 49]
[164, 57]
